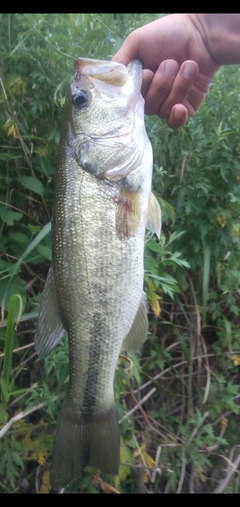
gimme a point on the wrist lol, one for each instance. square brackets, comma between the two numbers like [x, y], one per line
[220, 34]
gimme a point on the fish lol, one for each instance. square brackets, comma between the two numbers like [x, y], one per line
[94, 288]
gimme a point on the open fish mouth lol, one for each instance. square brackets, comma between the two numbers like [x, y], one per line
[110, 79]
[111, 73]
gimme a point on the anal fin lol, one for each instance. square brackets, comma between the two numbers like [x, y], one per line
[138, 332]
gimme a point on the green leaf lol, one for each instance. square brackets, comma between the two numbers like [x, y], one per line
[46, 229]
[8, 216]
[34, 228]
[206, 274]
[9, 288]
[23, 318]
[19, 237]
[15, 302]
[45, 251]
[31, 184]
[5, 266]
[3, 416]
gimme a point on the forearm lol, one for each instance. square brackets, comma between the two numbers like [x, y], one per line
[221, 35]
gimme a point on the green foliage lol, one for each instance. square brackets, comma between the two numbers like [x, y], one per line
[8, 352]
[178, 398]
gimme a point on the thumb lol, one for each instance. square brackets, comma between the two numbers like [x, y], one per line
[127, 52]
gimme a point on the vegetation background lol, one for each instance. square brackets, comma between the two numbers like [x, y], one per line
[178, 398]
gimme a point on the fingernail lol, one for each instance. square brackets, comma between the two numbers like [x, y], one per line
[170, 68]
[189, 71]
[178, 114]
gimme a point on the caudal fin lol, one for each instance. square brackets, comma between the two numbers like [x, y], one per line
[80, 442]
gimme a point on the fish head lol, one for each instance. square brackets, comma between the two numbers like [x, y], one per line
[105, 116]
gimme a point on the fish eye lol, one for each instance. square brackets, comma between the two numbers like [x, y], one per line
[80, 98]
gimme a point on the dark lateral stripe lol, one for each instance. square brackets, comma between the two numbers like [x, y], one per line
[97, 343]
[76, 417]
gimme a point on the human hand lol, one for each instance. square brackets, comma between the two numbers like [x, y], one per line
[177, 66]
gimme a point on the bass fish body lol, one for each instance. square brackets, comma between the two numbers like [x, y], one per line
[94, 289]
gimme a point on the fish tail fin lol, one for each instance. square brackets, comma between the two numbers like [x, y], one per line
[79, 442]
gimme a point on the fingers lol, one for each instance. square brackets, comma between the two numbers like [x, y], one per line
[166, 92]
[178, 116]
[147, 77]
[160, 86]
[181, 88]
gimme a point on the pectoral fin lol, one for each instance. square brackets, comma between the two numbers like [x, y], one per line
[128, 213]
[138, 332]
[154, 222]
[49, 329]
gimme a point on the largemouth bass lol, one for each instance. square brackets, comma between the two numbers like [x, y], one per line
[94, 288]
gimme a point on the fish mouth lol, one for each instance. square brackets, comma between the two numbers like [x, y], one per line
[111, 79]
[111, 73]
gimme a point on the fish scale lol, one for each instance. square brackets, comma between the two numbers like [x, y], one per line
[94, 289]
[94, 274]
